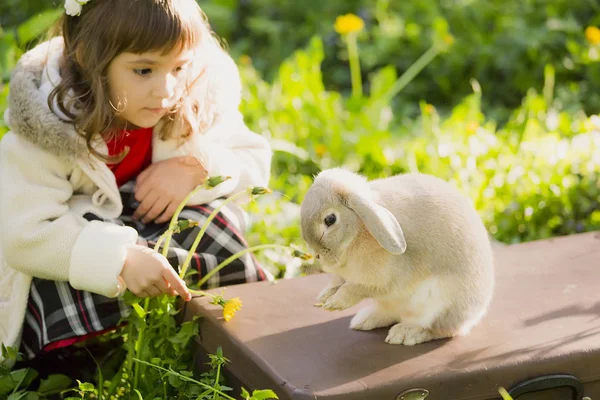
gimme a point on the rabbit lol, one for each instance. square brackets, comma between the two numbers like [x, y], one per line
[411, 244]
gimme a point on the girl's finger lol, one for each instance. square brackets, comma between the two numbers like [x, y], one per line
[146, 204]
[168, 213]
[157, 208]
[177, 283]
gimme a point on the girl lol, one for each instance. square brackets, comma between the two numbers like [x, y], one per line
[113, 123]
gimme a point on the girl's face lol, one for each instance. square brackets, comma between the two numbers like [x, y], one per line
[144, 87]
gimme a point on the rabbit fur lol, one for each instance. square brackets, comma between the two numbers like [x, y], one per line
[412, 244]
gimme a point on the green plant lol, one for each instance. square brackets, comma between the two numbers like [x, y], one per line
[533, 177]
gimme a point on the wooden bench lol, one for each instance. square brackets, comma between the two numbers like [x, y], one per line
[544, 321]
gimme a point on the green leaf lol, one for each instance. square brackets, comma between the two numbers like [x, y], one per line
[54, 383]
[23, 396]
[139, 310]
[187, 331]
[20, 378]
[86, 387]
[382, 80]
[245, 394]
[263, 395]
[9, 53]
[37, 25]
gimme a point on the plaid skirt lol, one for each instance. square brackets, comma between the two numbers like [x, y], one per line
[58, 315]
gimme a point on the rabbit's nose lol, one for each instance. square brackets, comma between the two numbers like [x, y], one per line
[318, 256]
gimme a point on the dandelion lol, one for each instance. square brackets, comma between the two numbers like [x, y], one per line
[231, 307]
[349, 23]
[213, 181]
[472, 127]
[258, 190]
[245, 59]
[184, 224]
[348, 26]
[448, 39]
[320, 149]
[592, 34]
[302, 255]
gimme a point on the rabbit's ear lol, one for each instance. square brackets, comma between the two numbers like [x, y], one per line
[380, 222]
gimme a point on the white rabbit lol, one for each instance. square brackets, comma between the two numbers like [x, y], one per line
[412, 243]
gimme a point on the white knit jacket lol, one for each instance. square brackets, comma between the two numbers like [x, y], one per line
[49, 181]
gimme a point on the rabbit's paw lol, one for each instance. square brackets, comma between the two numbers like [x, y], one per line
[329, 290]
[370, 318]
[326, 293]
[343, 298]
[408, 334]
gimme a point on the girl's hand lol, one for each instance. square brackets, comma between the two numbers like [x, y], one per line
[161, 187]
[148, 274]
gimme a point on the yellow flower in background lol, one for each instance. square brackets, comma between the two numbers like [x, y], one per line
[592, 34]
[320, 149]
[448, 39]
[245, 59]
[472, 127]
[348, 23]
[230, 307]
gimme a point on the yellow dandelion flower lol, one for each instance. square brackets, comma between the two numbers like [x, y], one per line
[448, 39]
[592, 34]
[348, 23]
[320, 149]
[231, 307]
[245, 59]
[302, 255]
[472, 126]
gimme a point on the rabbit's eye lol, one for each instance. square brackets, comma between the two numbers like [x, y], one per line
[330, 219]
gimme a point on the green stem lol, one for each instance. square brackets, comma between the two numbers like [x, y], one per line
[411, 72]
[174, 219]
[212, 215]
[130, 348]
[185, 378]
[138, 347]
[234, 257]
[160, 240]
[354, 65]
[217, 380]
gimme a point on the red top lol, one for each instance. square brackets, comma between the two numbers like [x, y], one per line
[139, 157]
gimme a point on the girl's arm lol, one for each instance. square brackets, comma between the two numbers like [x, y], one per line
[41, 236]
